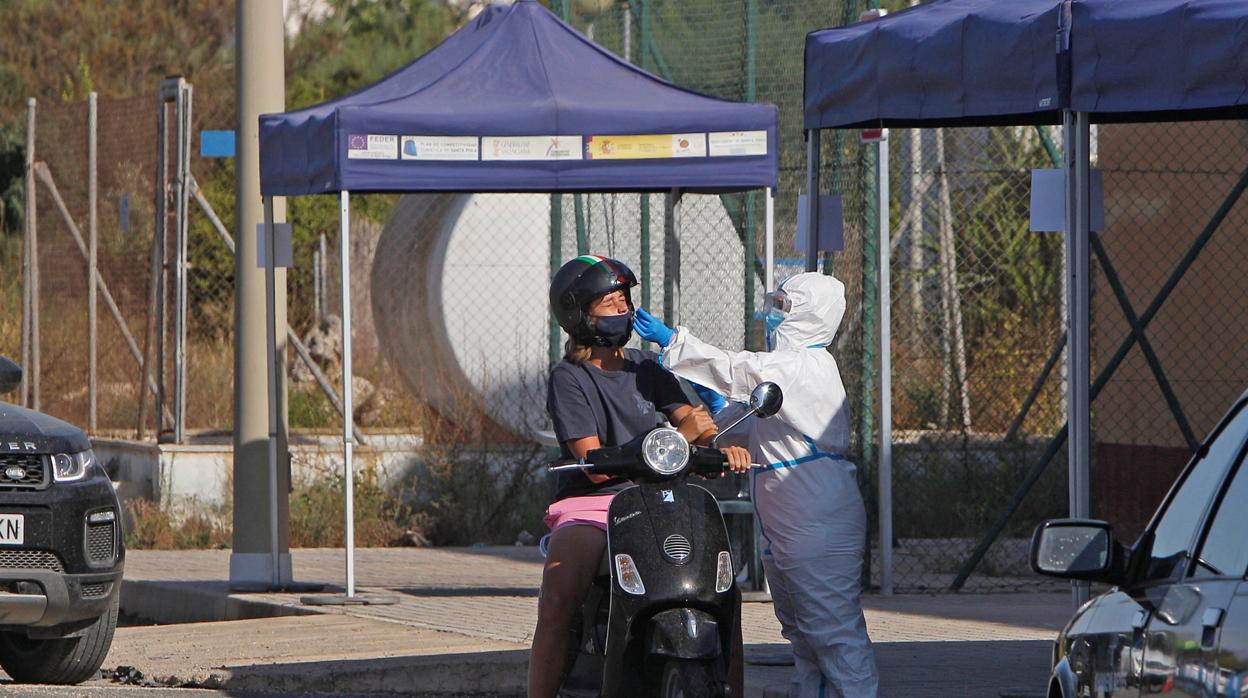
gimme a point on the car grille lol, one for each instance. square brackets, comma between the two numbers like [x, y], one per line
[93, 591]
[30, 560]
[101, 542]
[677, 547]
[34, 469]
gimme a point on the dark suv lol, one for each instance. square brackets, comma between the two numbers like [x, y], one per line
[1175, 622]
[61, 552]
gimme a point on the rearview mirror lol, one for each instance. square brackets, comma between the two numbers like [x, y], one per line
[766, 399]
[1073, 549]
[10, 375]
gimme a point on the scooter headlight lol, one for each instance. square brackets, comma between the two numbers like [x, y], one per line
[723, 572]
[627, 576]
[665, 451]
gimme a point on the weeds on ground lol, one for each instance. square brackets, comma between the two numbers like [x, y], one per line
[381, 518]
[155, 529]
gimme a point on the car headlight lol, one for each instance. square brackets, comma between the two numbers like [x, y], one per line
[665, 451]
[67, 467]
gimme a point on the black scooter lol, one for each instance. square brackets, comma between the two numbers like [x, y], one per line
[663, 616]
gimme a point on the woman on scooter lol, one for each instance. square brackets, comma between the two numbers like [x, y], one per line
[601, 394]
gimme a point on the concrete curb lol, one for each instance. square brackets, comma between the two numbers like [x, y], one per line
[170, 603]
[488, 673]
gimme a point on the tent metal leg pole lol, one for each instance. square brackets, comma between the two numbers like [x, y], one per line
[812, 199]
[344, 223]
[886, 376]
[270, 331]
[749, 247]
[769, 247]
[1078, 223]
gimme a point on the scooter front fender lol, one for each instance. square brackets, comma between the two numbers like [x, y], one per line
[684, 633]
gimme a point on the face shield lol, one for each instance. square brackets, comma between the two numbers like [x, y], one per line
[778, 306]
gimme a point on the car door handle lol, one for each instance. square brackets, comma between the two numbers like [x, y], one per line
[1209, 621]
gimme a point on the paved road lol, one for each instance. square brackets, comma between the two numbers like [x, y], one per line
[464, 622]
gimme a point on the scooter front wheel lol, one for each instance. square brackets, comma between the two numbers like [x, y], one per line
[690, 678]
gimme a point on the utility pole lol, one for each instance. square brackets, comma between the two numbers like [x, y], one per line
[261, 556]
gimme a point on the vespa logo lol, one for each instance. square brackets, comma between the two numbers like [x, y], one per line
[14, 472]
[621, 519]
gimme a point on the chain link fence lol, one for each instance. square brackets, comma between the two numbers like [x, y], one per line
[977, 299]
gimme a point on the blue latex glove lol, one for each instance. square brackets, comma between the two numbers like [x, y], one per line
[652, 329]
[714, 401]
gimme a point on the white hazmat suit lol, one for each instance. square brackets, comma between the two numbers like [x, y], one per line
[806, 497]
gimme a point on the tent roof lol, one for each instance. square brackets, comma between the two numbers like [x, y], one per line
[1159, 60]
[517, 100]
[969, 62]
[986, 62]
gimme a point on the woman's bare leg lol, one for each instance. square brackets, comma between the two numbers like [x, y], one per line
[572, 559]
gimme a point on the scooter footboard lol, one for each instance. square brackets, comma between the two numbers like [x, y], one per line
[683, 633]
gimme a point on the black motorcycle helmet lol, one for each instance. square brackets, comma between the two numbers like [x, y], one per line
[580, 282]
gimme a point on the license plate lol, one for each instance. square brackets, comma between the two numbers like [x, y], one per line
[12, 529]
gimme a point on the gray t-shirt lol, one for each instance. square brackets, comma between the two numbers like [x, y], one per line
[616, 406]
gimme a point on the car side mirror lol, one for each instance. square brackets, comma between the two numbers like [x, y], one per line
[1075, 549]
[10, 375]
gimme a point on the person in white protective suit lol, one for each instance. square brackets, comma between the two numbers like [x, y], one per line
[806, 494]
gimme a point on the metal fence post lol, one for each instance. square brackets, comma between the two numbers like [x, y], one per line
[748, 242]
[181, 230]
[556, 260]
[30, 274]
[92, 262]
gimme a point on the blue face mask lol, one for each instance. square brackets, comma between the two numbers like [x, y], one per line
[615, 330]
[771, 321]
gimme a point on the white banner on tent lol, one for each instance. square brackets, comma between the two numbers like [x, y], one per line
[372, 146]
[440, 148]
[730, 143]
[531, 148]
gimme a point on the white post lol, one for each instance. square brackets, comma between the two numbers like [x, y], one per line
[769, 246]
[886, 374]
[1078, 222]
[344, 223]
[270, 331]
[182, 230]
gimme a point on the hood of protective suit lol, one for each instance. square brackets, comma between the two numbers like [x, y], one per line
[818, 304]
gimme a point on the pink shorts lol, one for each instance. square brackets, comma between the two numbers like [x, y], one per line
[579, 511]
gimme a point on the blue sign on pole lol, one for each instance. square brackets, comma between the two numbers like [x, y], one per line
[216, 144]
[123, 211]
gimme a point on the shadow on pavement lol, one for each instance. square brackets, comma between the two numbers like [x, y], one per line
[968, 669]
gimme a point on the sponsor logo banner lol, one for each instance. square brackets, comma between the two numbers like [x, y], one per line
[440, 148]
[372, 147]
[531, 148]
[649, 146]
[730, 143]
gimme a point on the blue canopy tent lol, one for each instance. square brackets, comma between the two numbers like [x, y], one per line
[515, 101]
[992, 62]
